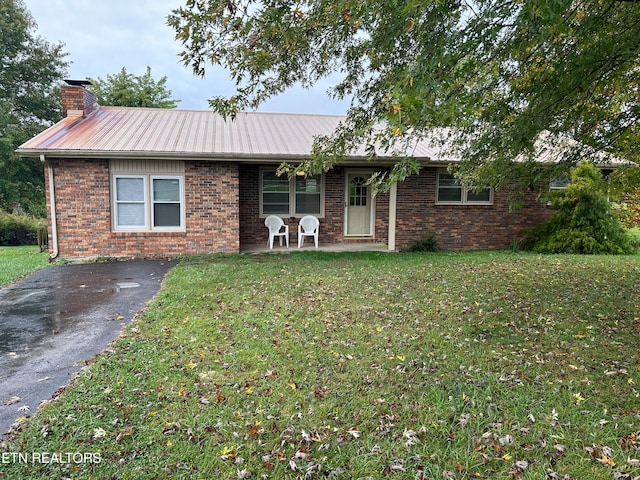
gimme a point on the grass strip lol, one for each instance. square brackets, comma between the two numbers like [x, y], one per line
[16, 262]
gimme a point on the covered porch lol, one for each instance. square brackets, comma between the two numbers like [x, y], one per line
[351, 218]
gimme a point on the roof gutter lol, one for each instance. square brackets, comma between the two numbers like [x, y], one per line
[52, 200]
[217, 157]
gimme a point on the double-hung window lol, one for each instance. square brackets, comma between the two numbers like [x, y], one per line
[298, 196]
[148, 202]
[308, 195]
[166, 201]
[276, 195]
[451, 191]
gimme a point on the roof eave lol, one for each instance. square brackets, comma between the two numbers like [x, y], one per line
[180, 156]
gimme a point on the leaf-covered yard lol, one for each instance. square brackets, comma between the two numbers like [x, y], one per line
[318, 365]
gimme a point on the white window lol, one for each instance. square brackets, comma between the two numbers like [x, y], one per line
[559, 183]
[308, 195]
[451, 191]
[298, 196]
[130, 202]
[276, 197]
[148, 202]
[166, 200]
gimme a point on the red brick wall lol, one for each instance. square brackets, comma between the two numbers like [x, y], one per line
[461, 227]
[222, 212]
[457, 227]
[252, 229]
[83, 208]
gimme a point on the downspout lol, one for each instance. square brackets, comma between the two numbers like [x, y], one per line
[52, 201]
[393, 193]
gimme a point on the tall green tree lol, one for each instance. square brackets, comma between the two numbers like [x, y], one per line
[30, 74]
[127, 90]
[505, 73]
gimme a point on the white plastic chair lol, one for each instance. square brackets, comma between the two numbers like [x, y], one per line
[275, 224]
[308, 227]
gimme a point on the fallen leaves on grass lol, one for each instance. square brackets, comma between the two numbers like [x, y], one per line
[502, 367]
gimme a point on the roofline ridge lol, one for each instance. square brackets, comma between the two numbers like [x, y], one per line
[248, 113]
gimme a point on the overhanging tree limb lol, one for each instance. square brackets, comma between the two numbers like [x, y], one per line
[501, 71]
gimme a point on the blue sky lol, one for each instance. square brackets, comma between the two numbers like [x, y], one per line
[102, 36]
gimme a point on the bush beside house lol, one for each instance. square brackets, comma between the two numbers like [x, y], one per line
[583, 221]
[426, 243]
[16, 230]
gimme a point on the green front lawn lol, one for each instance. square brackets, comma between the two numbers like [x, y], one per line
[16, 262]
[318, 365]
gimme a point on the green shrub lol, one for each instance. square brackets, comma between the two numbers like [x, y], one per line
[634, 237]
[18, 230]
[583, 221]
[427, 243]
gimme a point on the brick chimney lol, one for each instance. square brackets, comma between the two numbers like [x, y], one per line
[77, 101]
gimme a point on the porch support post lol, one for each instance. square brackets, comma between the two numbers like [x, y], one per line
[391, 243]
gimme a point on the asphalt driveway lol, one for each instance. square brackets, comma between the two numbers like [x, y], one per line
[53, 321]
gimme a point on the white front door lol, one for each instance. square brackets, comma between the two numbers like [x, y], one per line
[358, 205]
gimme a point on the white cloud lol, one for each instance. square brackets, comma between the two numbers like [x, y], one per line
[102, 36]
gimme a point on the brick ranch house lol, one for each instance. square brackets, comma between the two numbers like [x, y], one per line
[141, 182]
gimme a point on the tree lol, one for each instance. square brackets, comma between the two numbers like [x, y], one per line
[582, 221]
[502, 72]
[31, 72]
[127, 90]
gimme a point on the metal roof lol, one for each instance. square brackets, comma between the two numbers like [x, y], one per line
[180, 134]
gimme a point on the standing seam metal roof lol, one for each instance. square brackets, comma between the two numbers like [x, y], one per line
[113, 131]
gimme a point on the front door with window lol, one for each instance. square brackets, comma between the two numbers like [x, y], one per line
[358, 205]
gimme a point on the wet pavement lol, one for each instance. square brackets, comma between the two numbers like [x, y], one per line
[55, 320]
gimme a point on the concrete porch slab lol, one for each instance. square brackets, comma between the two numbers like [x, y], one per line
[337, 247]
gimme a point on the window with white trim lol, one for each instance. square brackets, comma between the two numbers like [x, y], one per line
[559, 183]
[298, 196]
[451, 191]
[148, 202]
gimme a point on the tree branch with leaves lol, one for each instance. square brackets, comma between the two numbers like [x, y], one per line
[500, 72]
[32, 70]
